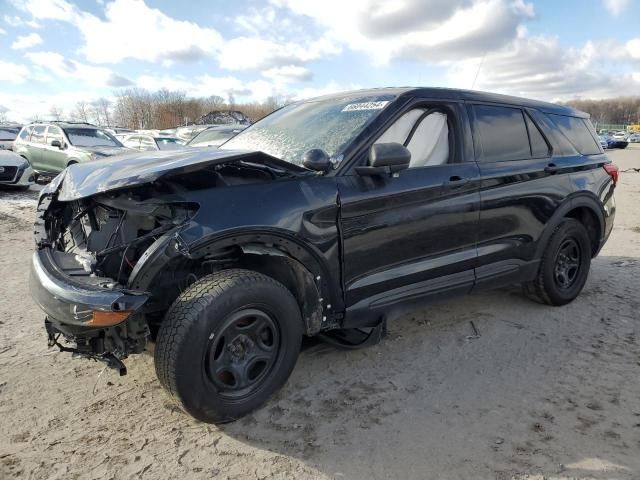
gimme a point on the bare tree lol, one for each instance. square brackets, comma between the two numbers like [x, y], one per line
[81, 112]
[104, 106]
[621, 111]
[55, 112]
[139, 108]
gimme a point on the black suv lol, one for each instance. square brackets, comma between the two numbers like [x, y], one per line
[327, 217]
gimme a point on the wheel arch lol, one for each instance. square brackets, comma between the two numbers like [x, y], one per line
[278, 255]
[584, 207]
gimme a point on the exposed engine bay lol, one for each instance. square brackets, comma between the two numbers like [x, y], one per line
[99, 240]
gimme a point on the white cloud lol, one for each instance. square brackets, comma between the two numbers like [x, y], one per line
[52, 63]
[541, 67]
[255, 53]
[288, 73]
[26, 41]
[633, 48]
[130, 29]
[207, 85]
[616, 7]
[12, 72]
[3, 31]
[424, 30]
[16, 21]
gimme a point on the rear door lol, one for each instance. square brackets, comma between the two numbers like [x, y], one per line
[412, 234]
[35, 147]
[521, 186]
[54, 159]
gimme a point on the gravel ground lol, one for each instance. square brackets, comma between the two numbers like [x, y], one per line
[543, 392]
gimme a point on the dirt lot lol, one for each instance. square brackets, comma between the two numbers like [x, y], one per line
[542, 393]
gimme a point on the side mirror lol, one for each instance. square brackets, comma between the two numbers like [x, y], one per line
[317, 160]
[386, 158]
[56, 143]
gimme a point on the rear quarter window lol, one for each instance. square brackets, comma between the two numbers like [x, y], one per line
[578, 132]
[502, 133]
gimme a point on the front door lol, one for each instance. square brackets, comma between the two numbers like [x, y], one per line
[35, 146]
[54, 159]
[414, 234]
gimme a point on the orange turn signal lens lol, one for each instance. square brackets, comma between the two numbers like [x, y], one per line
[107, 319]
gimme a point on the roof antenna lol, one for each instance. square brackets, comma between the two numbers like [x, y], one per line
[478, 71]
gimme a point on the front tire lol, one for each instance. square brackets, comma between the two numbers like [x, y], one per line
[564, 267]
[228, 343]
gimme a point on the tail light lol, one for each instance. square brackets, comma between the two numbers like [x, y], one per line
[613, 171]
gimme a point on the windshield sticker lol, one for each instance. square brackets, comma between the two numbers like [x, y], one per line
[355, 107]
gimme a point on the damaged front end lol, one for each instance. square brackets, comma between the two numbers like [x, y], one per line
[110, 256]
[87, 249]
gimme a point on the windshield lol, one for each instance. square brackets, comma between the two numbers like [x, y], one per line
[329, 124]
[167, 143]
[91, 137]
[214, 136]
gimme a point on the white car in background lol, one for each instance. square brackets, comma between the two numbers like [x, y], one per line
[143, 142]
[15, 171]
[634, 138]
[621, 136]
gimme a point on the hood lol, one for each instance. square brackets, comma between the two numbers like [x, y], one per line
[85, 179]
[10, 159]
[105, 151]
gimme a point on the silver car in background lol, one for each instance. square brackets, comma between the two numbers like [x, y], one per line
[8, 134]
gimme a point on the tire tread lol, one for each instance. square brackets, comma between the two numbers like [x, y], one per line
[184, 312]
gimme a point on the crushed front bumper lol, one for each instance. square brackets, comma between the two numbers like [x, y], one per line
[70, 304]
[71, 307]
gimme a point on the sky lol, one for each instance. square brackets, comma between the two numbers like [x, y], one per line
[58, 52]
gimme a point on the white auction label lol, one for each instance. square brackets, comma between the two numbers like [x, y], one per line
[354, 107]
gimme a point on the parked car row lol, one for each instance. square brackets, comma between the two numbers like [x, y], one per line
[44, 149]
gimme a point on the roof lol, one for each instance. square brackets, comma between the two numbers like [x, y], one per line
[437, 93]
[65, 124]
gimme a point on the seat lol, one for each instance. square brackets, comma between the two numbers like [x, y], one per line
[429, 143]
[399, 131]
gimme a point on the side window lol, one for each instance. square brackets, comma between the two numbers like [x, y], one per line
[578, 133]
[425, 133]
[539, 146]
[54, 133]
[147, 143]
[132, 142]
[37, 136]
[25, 134]
[502, 133]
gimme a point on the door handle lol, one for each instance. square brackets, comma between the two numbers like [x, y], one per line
[551, 168]
[456, 181]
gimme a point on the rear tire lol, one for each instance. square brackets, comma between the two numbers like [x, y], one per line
[564, 266]
[228, 343]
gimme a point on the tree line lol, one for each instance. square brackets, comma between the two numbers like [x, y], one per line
[137, 108]
[621, 110]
